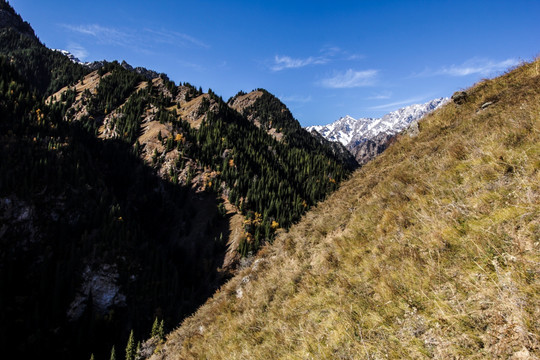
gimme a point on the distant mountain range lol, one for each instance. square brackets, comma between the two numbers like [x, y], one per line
[367, 137]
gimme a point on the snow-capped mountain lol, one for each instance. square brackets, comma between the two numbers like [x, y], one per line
[348, 130]
[367, 137]
[72, 57]
[342, 130]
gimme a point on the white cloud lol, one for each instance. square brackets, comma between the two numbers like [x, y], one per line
[355, 57]
[286, 62]
[194, 66]
[337, 53]
[331, 50]
[94, 30]
[474, 66]
[326, 55]
[137, 39]
[84, 29]
[380, 96]
[103, 34]
[175, 38]
[394, 105]
[350, 79]
[296, 99]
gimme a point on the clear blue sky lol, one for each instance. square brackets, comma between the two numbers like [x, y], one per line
[323, 59]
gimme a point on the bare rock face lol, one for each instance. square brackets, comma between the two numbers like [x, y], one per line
[459, 97]
[148, 348]
[366, 150]
[100, 286]
[243, 101]
[148, 74]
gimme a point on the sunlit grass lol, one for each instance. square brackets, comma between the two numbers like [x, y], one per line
[429, 251]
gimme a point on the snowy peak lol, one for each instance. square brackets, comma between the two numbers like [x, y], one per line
[350, 131]
[340, 130]
[365, 138]
[72, 57]
[149, 74]
[398, 120]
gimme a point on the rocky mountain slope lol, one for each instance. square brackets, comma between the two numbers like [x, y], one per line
[367, 137]
[431, 250]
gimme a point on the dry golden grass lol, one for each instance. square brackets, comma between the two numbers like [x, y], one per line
[429, 251]
[90, 82]
[190, 111]
[246, 100]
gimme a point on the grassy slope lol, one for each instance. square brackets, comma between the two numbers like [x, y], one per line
[431, 250]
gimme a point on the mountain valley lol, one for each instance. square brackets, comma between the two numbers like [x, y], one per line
[146, 219]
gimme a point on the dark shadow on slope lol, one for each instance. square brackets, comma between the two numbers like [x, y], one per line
[92, 242]
[87, 222]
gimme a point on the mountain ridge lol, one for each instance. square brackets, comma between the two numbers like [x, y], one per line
[274, 116]
[11, 19]
[350, 131]
[365, 138]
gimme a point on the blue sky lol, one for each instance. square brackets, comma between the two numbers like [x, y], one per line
[323, 59]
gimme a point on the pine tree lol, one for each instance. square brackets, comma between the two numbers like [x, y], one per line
[130, 348]
[113, 353]
[155, 328]
[161, 332]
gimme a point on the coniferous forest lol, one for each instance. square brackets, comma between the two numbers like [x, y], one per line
[90, 199]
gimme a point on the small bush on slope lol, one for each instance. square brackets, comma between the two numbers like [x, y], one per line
[430, 251]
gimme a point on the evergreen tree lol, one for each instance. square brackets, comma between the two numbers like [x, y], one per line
[113, 353]
[161, 332]
[155, 328]
[130, 348]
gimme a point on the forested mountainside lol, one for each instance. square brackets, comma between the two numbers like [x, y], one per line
[429, 251]
[269, 173]
[268, 112]
[125, 198]
[90, 235]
